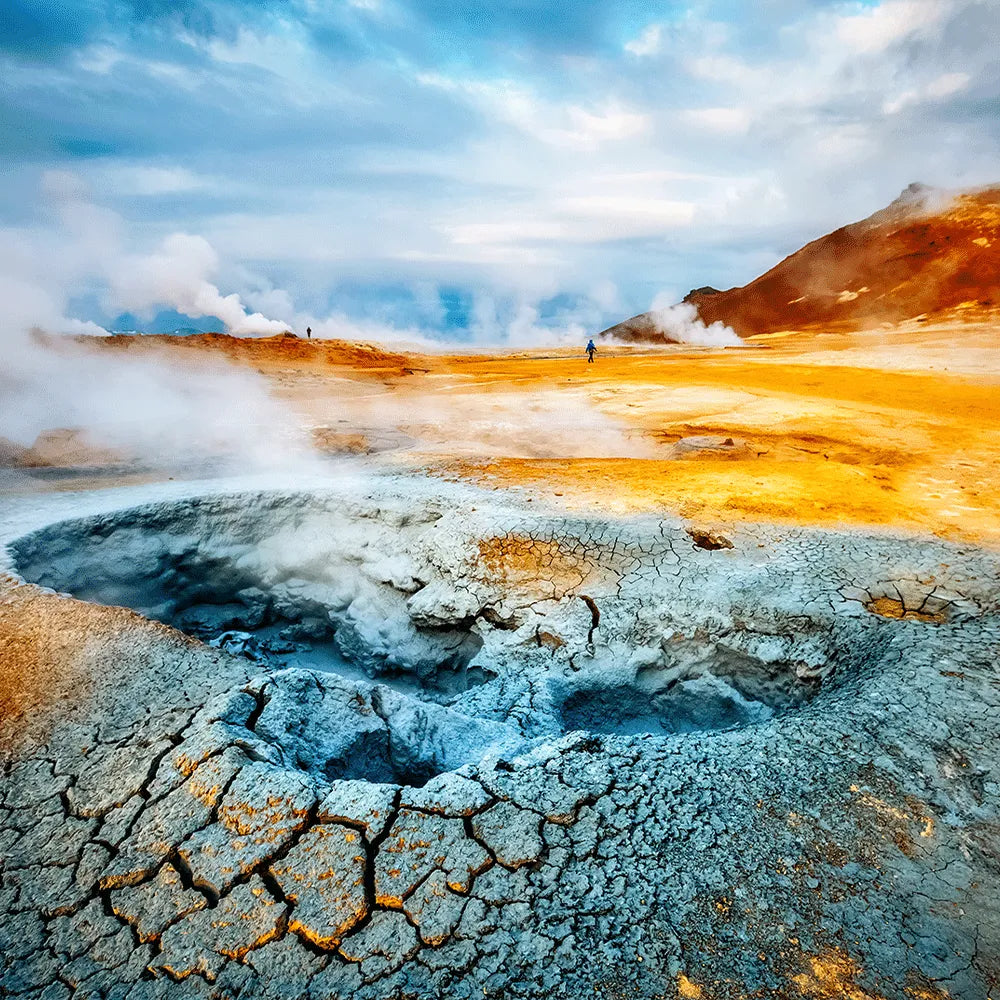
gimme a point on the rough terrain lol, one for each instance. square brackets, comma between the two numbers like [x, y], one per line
[892, 429]
[684, 687]
[678, 762]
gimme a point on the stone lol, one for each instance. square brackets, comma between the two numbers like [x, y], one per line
[111, 779]
[448, 794]
[151, 907]
[435, 909]
[284, 968]
[511, 833]
[259, 814]
[330, 730]
[165, 824]
[200, 944]
[418, 844]
[859, 811]
[323, 876]
[383, 944]
[360, 803]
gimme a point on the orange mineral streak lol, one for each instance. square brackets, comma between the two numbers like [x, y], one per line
[266, 351]
[521, 561]
[688, 989]
[328, 942]
[890, 607]
[264, 825]
[49, 657]
[927, 991]
[814, 444]
[185, 765]
[901, 826]
[891, 429]
[831, 976]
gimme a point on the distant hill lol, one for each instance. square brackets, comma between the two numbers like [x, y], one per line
[930, 254]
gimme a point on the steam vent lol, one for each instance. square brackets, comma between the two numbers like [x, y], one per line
[419, 741]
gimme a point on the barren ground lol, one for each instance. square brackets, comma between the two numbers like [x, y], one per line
[892, 428]
[398, 737]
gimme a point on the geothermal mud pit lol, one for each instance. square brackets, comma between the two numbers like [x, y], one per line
[422, 744]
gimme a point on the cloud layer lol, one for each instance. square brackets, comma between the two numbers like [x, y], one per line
[518, 172]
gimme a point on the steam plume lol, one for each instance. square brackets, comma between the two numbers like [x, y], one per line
[681, 323]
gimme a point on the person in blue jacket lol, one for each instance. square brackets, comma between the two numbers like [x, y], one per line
[591, 351]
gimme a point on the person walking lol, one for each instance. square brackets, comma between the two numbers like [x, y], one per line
[309, 333]
[591, 351]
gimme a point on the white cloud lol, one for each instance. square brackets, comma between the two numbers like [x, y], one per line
[508, 231]
[699, 152]
[99, 59]
[642, 212]
[293, 67]
[563, 125]
[723, 120]
[722, 68]
[590, 218]
[152, 180]
[943, 86]
[648, 42]
[873, 29]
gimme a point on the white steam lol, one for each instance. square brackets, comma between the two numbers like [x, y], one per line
[522, 326]
[534, 424]
[150, 410]
[176, 275]
[153, 411]
[87, 252]
[682, 324]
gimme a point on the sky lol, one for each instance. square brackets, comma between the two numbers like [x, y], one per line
[519, 172]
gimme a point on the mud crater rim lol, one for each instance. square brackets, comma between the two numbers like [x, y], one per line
[277, 578]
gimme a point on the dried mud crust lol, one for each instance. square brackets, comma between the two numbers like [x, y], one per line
[796, 795]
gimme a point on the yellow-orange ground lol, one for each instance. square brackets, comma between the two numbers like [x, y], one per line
[894, 428]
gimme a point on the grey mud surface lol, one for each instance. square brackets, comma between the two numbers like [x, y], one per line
[545, 756]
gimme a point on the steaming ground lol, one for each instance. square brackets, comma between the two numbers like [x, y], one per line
[891, 428]
[684, 687]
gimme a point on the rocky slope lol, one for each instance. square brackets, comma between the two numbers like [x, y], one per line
[927, 255]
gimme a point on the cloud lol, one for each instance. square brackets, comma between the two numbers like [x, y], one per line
[943, 86]
[876, 28]
[152, 181]
[559, 124]
[731, 120]
[648, 42]
[335, 155]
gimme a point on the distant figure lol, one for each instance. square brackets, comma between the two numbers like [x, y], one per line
[309, 333]
[591, 351]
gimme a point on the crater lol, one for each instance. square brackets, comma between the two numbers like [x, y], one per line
[287, 581]
[696, 686]
[318, 594]
[704, 703]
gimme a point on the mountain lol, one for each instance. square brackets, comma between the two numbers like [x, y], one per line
[929, 255]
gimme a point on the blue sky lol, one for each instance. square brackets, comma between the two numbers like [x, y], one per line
[513, 172]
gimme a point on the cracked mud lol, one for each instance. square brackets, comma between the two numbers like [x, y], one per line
[453, 748]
